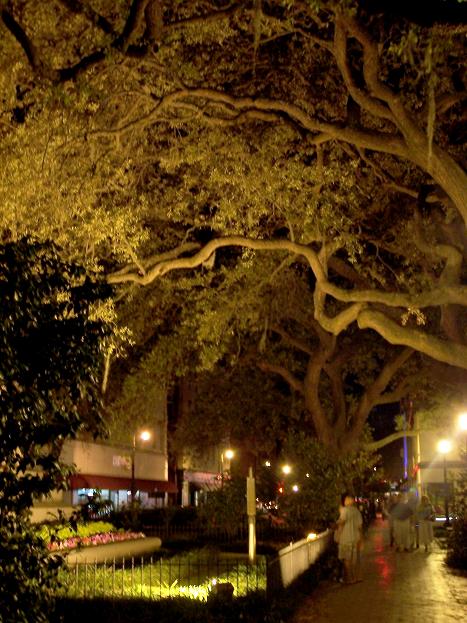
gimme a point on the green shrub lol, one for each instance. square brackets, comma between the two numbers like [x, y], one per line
[457, 539]
[50, 358]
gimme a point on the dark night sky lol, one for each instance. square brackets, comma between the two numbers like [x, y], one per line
[423, 12]
[381, 421]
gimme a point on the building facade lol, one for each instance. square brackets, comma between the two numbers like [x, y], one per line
[104, 470]
[436, 471]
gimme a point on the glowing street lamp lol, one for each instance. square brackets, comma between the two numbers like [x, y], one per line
[145, 435]
[444, 447]
[286, 469]
[228, 455]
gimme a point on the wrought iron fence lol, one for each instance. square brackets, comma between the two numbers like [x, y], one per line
[215, 534]
[162, 578]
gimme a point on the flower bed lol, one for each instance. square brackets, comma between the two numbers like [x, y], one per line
[96, 539]
[60, 538]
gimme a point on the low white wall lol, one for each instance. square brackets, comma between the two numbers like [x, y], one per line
[297, 557]
[114, 551]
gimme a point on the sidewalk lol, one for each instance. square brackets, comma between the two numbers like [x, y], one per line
[411, 587]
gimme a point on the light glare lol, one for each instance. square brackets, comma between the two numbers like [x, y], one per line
[444, 446]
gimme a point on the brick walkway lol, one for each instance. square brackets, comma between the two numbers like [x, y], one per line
[411, 587]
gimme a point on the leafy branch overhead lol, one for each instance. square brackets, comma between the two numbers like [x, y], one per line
[198, 141]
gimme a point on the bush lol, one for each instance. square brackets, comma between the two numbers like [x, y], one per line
[224, 508]
[50, 357]
[321, 479]
[457, 539]
[83, 535]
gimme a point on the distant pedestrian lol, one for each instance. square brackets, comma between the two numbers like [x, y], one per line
[350, 539]
[425, 515]
[401, 514]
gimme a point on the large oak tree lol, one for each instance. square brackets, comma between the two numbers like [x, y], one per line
[149, 137]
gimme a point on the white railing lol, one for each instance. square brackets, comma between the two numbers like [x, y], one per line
[296, 558]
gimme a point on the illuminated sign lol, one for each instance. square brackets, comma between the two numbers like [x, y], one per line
[121, 461]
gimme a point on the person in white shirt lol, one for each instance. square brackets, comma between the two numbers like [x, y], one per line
[350, 538]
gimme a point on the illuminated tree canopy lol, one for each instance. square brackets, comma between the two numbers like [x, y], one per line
[191, 139]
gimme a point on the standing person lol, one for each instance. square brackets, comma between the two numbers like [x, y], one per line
[424, 515]
[337, 527]
[401, 514]
[350, 539]
[339, 524]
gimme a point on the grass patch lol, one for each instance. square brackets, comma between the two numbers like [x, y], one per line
[191, 575]
[252, 608]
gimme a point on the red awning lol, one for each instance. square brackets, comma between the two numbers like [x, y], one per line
[92, 481]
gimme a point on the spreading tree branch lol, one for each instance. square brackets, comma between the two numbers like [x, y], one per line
[291, 379]
[292, 341]
[24, 41]
[442, 350]
[373, 446]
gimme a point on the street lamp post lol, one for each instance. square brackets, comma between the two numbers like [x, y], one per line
[144, 435]
[444, 447]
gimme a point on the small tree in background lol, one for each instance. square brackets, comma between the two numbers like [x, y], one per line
[321, 478]
[50, 361]
[225, 507]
